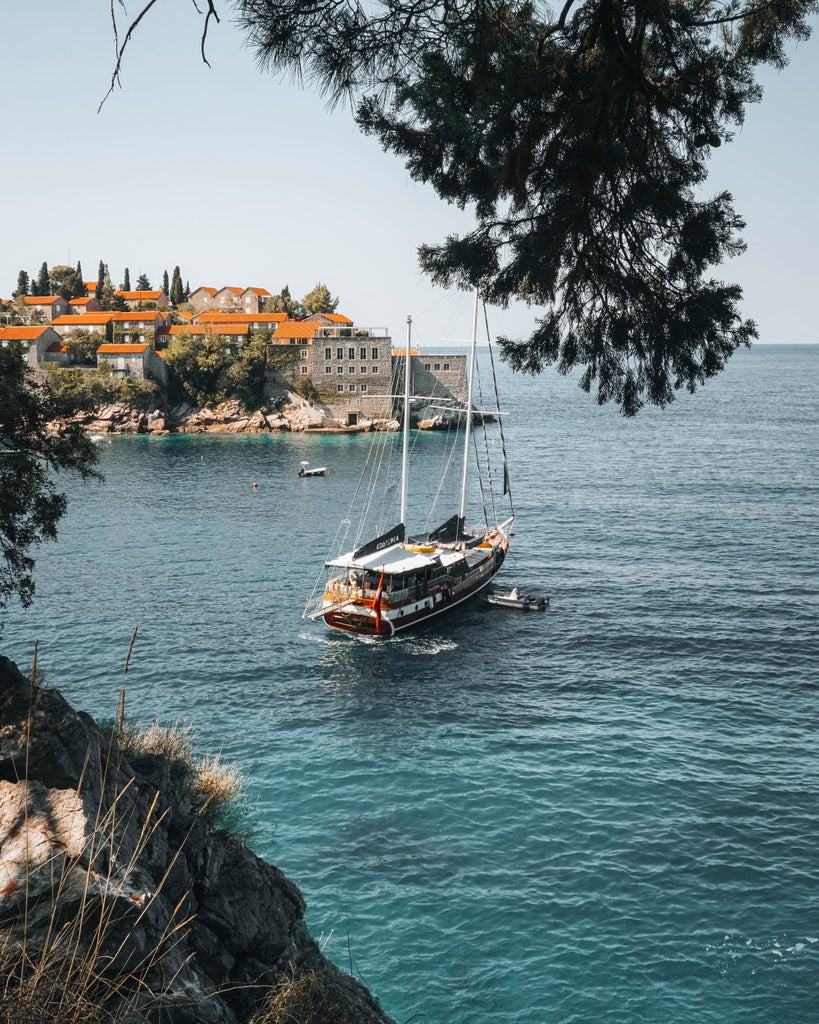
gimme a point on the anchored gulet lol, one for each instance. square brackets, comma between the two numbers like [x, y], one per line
[395, 581]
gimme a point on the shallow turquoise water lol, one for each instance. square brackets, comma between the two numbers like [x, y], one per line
[605, 813]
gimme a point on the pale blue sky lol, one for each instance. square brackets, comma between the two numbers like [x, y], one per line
[243, 180]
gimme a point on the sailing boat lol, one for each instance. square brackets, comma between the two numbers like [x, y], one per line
[395, 581]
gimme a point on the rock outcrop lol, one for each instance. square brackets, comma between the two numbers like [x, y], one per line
[107, 861]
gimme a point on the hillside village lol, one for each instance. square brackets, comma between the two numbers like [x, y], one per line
[349, 372]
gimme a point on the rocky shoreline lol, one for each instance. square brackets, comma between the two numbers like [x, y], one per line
[110, 864]
[289, 413]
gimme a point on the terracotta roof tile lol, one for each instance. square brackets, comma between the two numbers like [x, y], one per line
[295, 329]
[40, 300]
[144, 296]
[79, 319]
[213, 316]
[22, 333]
[114, 349]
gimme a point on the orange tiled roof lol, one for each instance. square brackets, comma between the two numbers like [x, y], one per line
[295, 329]
[200, 330]
[138, 316]
[144, 296]
[55, 346]
[22, 333]
[204, 288]
[40, 300]
[78, 319]
[258, 291]
[122, 350]
[213, 316]
[90, 286]
[337, 318]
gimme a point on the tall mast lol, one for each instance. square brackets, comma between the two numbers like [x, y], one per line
[405, 450]
[468, 429]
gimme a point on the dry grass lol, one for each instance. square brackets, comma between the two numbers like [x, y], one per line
[303, 999]
[79, 965]
[175, 743]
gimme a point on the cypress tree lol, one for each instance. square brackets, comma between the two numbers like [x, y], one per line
[165, 283]
[177, 294]
[126, 281]
[42, 286]
[22, 284]
[100, 284]
[105, 290]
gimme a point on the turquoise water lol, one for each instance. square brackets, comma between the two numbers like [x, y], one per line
[605, 813]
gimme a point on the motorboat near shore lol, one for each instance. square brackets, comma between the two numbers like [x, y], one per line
[308, 470]
[515, 598]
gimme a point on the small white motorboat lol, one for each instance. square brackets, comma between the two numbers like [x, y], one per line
[308, 470]
[515, 598]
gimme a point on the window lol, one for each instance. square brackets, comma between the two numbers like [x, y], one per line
[427, 366]
[437, 366]
[362, 387]
[303, 370]
[120, 362]
[339, 387]
[362, 352]
[351, 352]
[446, 366]
[375, 369]
[328, 353]
[304, 353]
[350, 369]
[339, 369]
[362, 369]
[352, 387]
[328, 369]
[374, 353]
[339, 353]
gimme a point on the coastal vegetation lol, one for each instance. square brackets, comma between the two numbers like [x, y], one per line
[39, 437]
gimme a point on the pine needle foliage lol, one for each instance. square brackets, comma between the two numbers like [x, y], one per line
[579, 135]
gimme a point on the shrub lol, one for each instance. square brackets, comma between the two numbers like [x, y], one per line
[303, 999]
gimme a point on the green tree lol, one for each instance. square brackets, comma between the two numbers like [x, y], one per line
[580, 136]
[283, 303]
[119, 303]
[98, 291]
[198, 364]
[22, 285]
[82, 345]
[166, 287]
[38, 438]
[126, 281]
[105, 290]
[177, 293]
[143, 283]
[66, 281]
[41, 285]
[319, 300]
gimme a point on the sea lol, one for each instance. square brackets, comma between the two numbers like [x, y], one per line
[604, 813]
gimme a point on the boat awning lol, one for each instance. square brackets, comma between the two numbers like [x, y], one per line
[393, 559]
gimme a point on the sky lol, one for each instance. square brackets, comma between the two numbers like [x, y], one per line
[242, 179]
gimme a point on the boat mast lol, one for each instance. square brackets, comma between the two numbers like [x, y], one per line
[405, 449]
[468, 428]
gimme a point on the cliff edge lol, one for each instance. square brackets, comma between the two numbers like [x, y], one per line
[110, 877]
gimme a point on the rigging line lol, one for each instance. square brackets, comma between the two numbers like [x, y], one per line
[507, 489]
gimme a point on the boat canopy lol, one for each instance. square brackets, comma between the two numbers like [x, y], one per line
[393, 536]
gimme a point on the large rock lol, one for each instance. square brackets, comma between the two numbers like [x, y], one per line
[118, 866]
